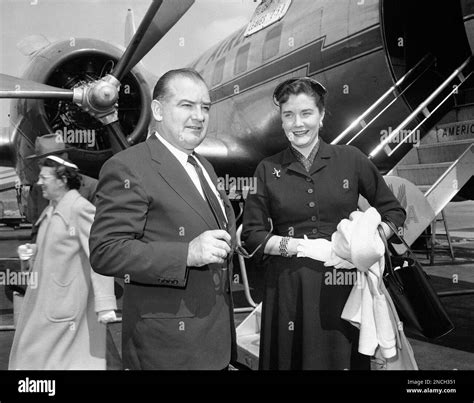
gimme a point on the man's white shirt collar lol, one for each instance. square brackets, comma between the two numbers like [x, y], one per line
[181, 156]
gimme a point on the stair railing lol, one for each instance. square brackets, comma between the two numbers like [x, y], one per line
[423, 107]
[410, 78]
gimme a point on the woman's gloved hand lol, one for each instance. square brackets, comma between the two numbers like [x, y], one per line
[317, 249]
[321, 249]
[106, 316]
[26, 251]
[338, 262]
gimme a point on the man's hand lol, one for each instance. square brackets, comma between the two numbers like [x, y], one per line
[209, 247]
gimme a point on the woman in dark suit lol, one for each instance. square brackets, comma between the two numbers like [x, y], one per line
[307, 189]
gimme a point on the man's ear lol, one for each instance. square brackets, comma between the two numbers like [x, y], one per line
[157, 110]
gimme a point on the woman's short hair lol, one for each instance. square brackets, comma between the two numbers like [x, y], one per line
[73, 177]
[301, 85]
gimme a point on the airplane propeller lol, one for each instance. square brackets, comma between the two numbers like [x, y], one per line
[99, 98]
[14, 87]
[152, 28]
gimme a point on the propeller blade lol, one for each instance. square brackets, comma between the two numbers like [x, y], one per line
[118, 140]
[129, 28]
[14, 87]
[153, 27]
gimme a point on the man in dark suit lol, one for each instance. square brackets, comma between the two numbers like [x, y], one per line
[163, 226]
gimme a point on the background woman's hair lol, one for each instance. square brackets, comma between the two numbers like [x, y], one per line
[303, 85]
[73, 177]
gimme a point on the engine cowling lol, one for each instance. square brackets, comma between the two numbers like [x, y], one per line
[69, 64]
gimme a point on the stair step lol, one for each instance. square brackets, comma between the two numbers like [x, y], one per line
[424, 188]
[442, 152]
[424, 174]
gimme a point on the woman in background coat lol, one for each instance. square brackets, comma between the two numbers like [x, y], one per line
[306, 190]
[61, 324]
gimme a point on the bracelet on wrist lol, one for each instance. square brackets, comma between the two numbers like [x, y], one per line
[284, 246]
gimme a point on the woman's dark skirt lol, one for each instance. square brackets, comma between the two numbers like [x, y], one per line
[302, 327]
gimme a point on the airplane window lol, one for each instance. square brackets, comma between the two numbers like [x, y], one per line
[242, 59]
[271, 45]
[218, 73]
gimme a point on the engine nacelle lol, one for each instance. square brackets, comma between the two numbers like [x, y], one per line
[69, 64]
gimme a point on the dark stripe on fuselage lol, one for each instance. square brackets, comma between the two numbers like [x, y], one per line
[315, 56]
[467, 7]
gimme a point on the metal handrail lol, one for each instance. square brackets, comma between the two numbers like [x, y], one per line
[243, 272]
[420, 107]
[449, 170]
[392, 89]
[455, 88]
[387, 107]
[455, 293]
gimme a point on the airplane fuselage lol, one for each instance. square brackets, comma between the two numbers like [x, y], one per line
[356, 49]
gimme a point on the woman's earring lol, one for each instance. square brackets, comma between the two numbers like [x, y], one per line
[321, 124]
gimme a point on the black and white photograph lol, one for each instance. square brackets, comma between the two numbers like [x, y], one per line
[237, 193]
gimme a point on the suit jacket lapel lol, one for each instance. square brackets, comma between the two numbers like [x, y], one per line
[292, 164]
[178, 179]
[322, 157]
[321, 160]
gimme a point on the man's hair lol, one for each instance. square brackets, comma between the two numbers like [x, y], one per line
[161, 89]
[73, 178]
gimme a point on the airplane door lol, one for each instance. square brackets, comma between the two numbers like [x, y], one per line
[467, 7]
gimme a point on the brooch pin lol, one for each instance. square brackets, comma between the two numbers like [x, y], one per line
[276, 172]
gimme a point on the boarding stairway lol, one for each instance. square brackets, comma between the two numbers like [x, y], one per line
[442, 163]
[439, 164]
[8, 178]
[11, 208]
[427, 178]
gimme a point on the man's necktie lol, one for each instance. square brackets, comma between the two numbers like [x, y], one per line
[210, 195]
